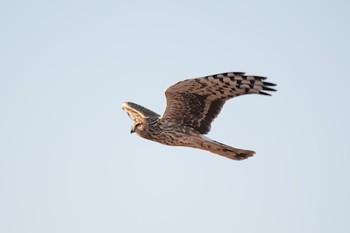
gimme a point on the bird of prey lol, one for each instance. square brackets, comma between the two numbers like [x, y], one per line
[192, 105]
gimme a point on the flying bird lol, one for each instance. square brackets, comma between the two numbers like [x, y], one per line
[192, 105]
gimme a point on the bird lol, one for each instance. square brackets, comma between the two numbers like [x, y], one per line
[191, 107]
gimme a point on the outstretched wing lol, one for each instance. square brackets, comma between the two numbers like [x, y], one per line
[197, 102]
[138, 113]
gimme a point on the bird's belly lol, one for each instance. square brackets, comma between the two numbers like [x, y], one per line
[175, 137]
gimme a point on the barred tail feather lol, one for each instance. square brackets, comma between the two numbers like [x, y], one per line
[226, 151]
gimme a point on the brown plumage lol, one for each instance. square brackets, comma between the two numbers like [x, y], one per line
[192, 105]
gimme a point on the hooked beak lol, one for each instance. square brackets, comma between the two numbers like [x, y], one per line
[132, 130]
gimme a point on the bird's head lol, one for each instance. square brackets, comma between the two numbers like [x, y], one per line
[140, 116]
[138, 127]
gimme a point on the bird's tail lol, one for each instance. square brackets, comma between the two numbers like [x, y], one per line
[226, 151]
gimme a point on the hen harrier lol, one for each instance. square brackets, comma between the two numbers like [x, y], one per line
[192, 105]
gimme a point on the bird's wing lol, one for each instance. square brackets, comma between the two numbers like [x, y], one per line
[138, 113]
[197, 102]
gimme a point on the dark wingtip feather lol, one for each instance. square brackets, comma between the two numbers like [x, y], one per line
[269, 84]
[260, 77]
[268, 89]
[264, 93]
[238, 73]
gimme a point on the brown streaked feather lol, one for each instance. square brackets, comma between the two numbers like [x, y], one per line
[197, 102]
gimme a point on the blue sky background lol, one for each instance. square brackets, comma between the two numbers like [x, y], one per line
[69, 164]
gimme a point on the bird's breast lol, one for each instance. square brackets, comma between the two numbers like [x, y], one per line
[171, 133]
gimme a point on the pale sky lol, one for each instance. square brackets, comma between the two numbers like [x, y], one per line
[69, 164]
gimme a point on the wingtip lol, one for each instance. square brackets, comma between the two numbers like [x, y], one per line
[269, 84]
[264, 93]
[125, 105]
[260, 77]
[268, 89]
